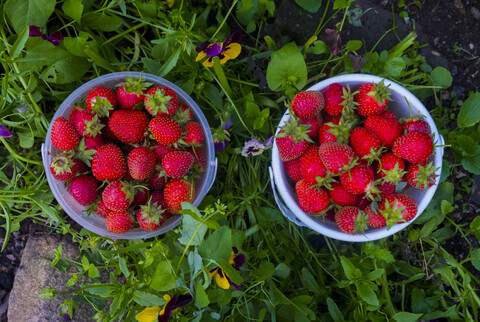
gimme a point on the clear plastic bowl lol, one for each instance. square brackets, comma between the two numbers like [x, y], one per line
[93, 222]
[284, 191]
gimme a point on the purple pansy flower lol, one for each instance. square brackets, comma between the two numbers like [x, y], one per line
[4, 132]
[53, 38]
[333, 39]
[221, 277]
[222, 138]
[254, 147]
[156, 313]
[229, 49]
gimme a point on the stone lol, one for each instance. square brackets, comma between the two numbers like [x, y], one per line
[36, 271]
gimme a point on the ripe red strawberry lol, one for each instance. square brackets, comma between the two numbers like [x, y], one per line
[160, 150]
[307, 104]
[337, 157]
[140, 197]
[101, 100]
[422, 176]
[141, 162]
[398, 208]
[157, 198]
[417, 124]
[117, 196]
[358, 179]
[87, 123]
[64, 167]
[108, 163]
[314, 124]
[161, 101]
[372, 99]
[351, 220]
[292, 168]
[102, 210]
[415, 146]
[342, 196]
[199, 159]
[131, 92]
[177, 163]
[150, 217]
[119, 222]
[94, 143]
[311, 165]
[390, 167]
[157, 180]
[333, 99]
[387, 129]
[63, 135]
[107, 133]
[292, 140]
[386, 188]
[73, 113]
[193, 134]
[375, 219]
[84, 189]
[324, 133]
[389, 115]
[176, 192]
[129, 126]
[366, 144]
[311, 199]
[165, 130]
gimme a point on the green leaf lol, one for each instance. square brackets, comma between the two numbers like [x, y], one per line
[287, 68]
[429, 227]
[310, 281]
[195, 262]
[406, 317]
[72, 281]
[282, 270]
[348, 268]
[23, 13]
[341, 4]
[218, 246]
[366, 293]
[476, 262]
[319, 47]
[101, 21]
[470, 111]
[375, 275]
[147, 299]
[77, 45]
[310, 5]
[170, 63]
[394, 66]
[475, 224]
[446, 207]
[472, 164]
[353, 45]
[19, 44]
[40, 53]
[73, 9]
[123, 266]
[67, 70]
[264, 271]
[467, 145]
[192, 231]
[26, 139]
[201, 297]
[93, 271]
[334, 311]
[441, 77]
[164, 278]
[232, 273]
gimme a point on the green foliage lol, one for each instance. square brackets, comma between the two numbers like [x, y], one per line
[409, 276]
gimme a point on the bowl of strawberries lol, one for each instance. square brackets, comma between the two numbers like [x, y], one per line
[356, 158]
[124, 150]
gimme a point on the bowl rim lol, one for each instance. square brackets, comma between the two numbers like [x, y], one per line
[371, 234]
[80, 92]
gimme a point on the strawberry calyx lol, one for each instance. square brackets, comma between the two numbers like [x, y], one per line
[93, 127]
[373, 156]
[135, 85]
[393, 175]
[349, 104]
[360, 223]
[392, 213]
[340, 131]
[158, 101]
[84, 154]
[424, 175]
[63, 162]
[296, 130]
[152, 212]
[325, 181]
[182, 116]
[101, 106]
[380, 92]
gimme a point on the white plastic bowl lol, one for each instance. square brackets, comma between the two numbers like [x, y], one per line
[284, 191]
[95, 223]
